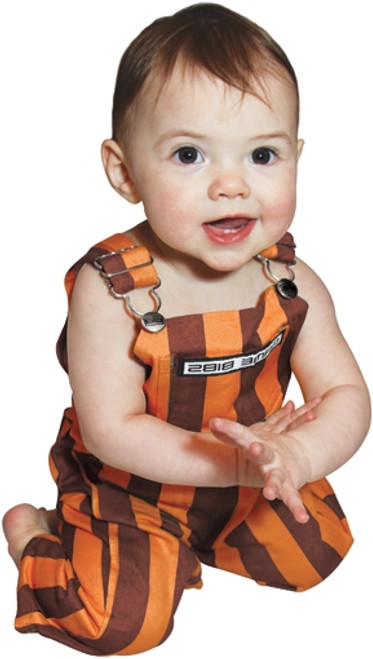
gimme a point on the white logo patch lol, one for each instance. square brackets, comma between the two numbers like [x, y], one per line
[223, 365]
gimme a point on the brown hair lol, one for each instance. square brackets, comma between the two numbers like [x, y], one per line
[204, 36]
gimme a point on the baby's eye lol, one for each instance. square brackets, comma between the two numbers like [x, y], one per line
[188, 155]
[263, 156]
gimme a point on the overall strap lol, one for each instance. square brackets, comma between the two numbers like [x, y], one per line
[124, 267]
[283, 251]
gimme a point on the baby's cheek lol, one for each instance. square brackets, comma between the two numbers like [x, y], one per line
[282, 207]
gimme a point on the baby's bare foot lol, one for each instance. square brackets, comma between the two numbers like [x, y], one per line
[24, 522]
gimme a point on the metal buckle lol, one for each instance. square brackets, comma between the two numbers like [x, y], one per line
[285, 287]
[107, 275]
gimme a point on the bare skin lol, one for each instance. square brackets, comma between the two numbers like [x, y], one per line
[24, 522]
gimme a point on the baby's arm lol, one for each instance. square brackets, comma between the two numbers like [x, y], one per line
[107, 385]
[324, 367]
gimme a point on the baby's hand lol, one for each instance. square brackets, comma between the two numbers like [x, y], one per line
[272, 459]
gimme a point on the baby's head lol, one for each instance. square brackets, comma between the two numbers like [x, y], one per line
[204, 38]
[205, 122]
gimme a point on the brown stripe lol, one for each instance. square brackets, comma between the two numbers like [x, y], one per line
[67, 539]
[211, 510]
[274, 320]
[186, 401]
[44, 546]
[332, 502]
[188, 574]
[122, 283]
[131, 592]
[248, 407]
[256, 558]
[100, 530]
[171, 524]
[320, 554]
[144, 489]
[53, 602]
[296, 311]
[69, 471]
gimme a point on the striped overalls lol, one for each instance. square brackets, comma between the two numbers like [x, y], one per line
[128, 547]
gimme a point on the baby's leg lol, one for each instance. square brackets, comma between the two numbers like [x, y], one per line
[100, 588]
[24, 522]
[273, 549]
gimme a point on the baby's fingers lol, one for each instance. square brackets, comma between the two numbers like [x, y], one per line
[275, 487]
[231, 432]
[289, 418]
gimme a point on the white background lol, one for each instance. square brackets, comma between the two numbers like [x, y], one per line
[59, 62]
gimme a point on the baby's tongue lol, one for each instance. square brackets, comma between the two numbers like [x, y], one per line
[229, 224]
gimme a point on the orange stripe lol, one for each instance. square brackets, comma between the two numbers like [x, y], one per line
[35, 618]
[71, 503]
[176, 500]
[88, 552]
[164, 559]
[267, 386]
[270, 253]
[217, 395]
[274, 317]
[116, 476]
[229, 559]
[43, 572]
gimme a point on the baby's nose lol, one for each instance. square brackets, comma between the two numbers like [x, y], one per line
[229, 184]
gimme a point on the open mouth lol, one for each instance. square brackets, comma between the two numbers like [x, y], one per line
[229, 229]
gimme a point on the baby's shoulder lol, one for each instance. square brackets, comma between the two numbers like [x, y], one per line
[312, 288]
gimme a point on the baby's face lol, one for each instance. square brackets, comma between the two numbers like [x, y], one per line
[215, 169]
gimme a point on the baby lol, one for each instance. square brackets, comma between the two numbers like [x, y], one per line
[181, 338]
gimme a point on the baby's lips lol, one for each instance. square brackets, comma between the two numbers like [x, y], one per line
[229, 223]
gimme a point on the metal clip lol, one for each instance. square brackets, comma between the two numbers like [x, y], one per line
[152, 321]
[285, 287]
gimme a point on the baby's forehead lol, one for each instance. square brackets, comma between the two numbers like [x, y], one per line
[187, 81]
[163, 88]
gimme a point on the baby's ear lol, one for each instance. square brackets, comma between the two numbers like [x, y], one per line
[300, 146]
[117, 171]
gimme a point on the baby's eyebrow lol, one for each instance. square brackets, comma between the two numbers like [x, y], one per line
[180, 133]
[273, 136]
